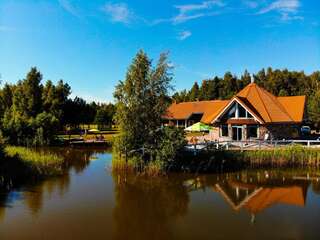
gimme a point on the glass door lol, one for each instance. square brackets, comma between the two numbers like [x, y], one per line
[236, 133]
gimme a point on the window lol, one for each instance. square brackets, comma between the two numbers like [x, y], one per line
[232, 112]
[253, 131]
[242, 112]
[224, 130]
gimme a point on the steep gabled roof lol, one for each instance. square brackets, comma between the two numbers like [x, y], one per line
[269, 108]
[266, 104]
[265, 107]
[184, 110]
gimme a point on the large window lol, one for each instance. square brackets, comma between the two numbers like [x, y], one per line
[237, 111]
[253, 131]
[241, 111]
[224, 130]
[232, 112]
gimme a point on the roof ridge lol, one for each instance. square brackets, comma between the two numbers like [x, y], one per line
[216, 100]
[264, 106]
[250, 85]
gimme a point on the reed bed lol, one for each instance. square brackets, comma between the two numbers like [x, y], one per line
[135, 165]
[213, 161]
[39, 163]
[292, 156]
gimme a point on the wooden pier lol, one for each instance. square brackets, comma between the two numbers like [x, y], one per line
[81, 143]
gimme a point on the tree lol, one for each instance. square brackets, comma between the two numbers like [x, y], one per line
[245, 79]
[104, 115]
[229, 86]
[314, 109]
[32, 92]
[141, 103]
[194, 92]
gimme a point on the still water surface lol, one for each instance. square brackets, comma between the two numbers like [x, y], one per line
[90, 203]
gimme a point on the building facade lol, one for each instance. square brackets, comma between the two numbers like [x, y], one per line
[252, 114]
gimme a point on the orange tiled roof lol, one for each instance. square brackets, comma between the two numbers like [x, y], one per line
[271, 108]
[186, 109]
[266, 107]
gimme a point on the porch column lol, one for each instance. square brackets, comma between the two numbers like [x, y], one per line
[244, 132]
[230, 132]
[185, 124]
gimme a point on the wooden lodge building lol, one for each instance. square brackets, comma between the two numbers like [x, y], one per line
[252, 114]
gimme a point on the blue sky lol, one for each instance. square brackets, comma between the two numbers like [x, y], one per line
[90, 44]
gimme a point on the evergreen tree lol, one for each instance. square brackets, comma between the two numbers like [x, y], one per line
[194, 92]
[32, 92]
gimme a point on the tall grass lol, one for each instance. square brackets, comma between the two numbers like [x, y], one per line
[37, 162]
[292, 156]
[135, 165]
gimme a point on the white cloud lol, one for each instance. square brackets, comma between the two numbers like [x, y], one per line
[287, 9]
[286, 6]
[118, 12]
[67, 6]
[193, 11]
[184, 35]
[189, 12]
[287, 17]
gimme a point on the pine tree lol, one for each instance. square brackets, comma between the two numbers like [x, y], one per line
[194, 92]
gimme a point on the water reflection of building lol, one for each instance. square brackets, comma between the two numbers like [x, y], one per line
[254, 192]
[255, 199]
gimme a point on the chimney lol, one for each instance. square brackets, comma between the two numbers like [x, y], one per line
[252, 79]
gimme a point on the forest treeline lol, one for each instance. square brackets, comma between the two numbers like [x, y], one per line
[278, 82]
[32, 113]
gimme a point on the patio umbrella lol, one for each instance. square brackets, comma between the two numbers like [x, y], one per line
[198, 127]
[93, 131]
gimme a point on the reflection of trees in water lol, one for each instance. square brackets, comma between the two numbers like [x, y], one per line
[146, 208]
[32, 192]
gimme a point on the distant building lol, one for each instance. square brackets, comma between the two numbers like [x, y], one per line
[253, 113]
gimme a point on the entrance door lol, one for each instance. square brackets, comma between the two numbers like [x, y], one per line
[236, 133]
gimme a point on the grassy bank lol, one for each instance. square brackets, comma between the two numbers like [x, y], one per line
[19, 164]
[292, 157]
[39, 162]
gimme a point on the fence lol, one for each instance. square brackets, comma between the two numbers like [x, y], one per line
[250, 144]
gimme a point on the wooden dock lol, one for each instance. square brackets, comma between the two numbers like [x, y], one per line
[80, 143]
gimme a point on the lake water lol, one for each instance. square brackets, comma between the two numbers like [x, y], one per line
[90, 203]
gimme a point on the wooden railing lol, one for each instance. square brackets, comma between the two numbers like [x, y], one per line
[250, 144]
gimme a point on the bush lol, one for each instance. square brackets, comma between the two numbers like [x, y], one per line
[170, 145]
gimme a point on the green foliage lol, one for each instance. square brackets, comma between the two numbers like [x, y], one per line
[32, 113]
[141, 102]
[291, 156]
[104, 115]
[314, 108]
[171, 143]
[39, 163]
